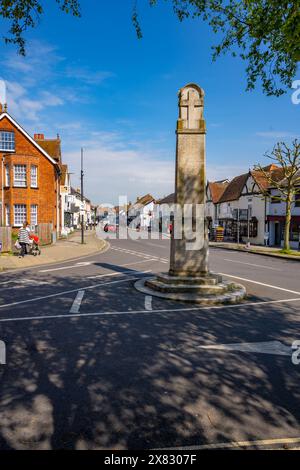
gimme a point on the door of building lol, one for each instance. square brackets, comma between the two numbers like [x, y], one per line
[277, 234]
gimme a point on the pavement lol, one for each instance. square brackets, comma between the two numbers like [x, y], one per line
[93, 364]
[62, 250]
[258, 249]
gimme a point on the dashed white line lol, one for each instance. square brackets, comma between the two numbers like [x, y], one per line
[77, 302]
[148, 303]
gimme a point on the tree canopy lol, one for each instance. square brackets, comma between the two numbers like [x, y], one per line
[24, 14]
[264, 33]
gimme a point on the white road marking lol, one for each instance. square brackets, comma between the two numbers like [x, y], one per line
[260, 283]
[251, 264]
[7, 282]
[118, 273]
[77, 265]
[138, 262]
[130, 312]
[133, 252]
[105, 275]
[77, 302]
[22, 284]
[239, 444]
[23, 281]
[58, 294]
[148, 302]
[263, 347]
[141, 255]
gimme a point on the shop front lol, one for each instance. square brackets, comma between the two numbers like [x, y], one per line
[277, 227]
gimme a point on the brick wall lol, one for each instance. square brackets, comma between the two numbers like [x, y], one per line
[45, 195]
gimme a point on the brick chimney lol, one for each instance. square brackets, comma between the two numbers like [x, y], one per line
[39, 137]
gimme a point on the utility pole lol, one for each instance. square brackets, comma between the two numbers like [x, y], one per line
[238, 226]
[248, 225]
[82, 215]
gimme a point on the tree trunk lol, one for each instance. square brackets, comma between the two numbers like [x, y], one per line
[288, 217]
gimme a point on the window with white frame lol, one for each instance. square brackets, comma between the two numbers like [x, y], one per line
[33, 176]
[7, 175]
[33, 214]
[7, 215]
[19, 214]
[7, 141]
[20, 176]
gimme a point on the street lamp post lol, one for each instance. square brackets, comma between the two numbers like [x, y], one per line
[82, 216]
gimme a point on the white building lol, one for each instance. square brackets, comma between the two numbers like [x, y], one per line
[65, 192]
[243, 207]
[143, 210]
[78, 208]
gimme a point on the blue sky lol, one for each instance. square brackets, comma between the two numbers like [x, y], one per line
[93, 82]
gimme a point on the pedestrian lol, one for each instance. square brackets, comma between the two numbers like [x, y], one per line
[24, 240]
[29, 231]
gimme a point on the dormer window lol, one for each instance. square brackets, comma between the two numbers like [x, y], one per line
[7, 141]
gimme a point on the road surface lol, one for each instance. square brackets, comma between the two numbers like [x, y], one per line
[91, 363]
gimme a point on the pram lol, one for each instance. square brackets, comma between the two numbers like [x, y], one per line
[34, 248]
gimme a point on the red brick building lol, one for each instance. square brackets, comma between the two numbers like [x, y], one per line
[29, 176]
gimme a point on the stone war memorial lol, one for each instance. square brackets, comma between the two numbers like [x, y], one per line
[189, 278]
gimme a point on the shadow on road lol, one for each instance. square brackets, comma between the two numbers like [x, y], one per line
[140, 380]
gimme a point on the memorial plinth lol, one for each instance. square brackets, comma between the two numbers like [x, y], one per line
[189, 278]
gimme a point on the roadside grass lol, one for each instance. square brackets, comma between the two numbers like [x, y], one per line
[289, 252]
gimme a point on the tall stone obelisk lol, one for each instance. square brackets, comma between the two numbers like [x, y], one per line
[189, 279]
[190, 257]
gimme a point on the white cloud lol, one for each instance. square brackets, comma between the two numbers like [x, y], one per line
[22, 106]
[39, 62]
[111, 169]
[37, 81]
[220, 172]
[275, 134]
[88, 76]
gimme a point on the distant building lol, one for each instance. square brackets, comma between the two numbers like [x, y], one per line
[142, 210]
[78, 207]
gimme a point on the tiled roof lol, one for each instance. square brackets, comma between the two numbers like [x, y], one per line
[52, 147]
[170, 199]
[262, 181]
[234, 189]
[217, 189]
[144, 200]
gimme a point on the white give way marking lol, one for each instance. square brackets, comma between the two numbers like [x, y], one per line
[264, 347]
[77, 265]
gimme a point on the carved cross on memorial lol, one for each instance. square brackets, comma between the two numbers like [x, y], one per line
[191, 108]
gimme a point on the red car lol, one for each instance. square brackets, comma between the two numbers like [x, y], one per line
[111, 228]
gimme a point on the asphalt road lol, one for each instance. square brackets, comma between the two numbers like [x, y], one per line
[91, 363]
